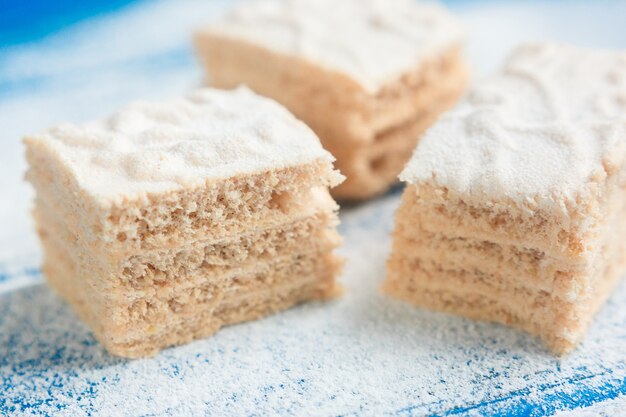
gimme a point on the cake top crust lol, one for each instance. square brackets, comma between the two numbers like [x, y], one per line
[371, 41]
[547, 129]
[150, 147]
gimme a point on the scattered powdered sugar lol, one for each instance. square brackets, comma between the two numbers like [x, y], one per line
[392, 36]
[362, 354]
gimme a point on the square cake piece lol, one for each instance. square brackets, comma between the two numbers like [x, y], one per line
[171, 219]
[515, 208]
[368, 76]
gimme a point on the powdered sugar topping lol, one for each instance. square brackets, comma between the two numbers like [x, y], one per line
[552, 121]
[159, 146]
[371, 41]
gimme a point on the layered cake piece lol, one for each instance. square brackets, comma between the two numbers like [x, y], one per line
[368, 76]
[171, 219]
[515, 205]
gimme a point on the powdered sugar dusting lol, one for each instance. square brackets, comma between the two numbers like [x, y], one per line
[541, 129]
[160, 146]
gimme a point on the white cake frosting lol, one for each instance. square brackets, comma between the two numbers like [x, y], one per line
[160, 146]
[544, 128]
[371, 41]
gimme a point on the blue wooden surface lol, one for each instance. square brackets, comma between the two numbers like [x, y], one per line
[363, 354]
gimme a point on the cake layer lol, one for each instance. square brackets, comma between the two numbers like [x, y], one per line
[371, 167]
[437, 210]
[216, 210]
[149, 308]
[540, 321]
[415, 103]
[441, 278]
[525, 303]
[110, 285]
[338, 113]
[211, 282]
[128, 320]
[259, 305]
[314, 233]
[251, 306]
[508, 265]
[531, 267]
[365, 43]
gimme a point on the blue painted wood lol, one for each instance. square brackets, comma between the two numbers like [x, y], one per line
[26, 21]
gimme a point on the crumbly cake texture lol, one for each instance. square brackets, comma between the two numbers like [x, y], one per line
[515, 208]
[169, 220]
[368, 78]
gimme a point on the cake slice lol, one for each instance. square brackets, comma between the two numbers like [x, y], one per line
[515, 205]
[169, 220]
[367, 76]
